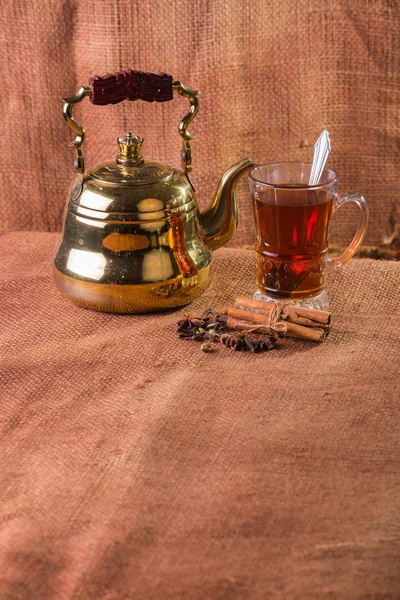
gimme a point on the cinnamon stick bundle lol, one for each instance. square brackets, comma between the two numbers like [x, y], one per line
[308, 317]
[243, 320]
[271, 318]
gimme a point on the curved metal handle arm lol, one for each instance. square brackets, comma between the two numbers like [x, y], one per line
[79, 163]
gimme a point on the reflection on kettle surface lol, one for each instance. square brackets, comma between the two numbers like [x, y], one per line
[94, 200]
[86, 264]
[157, 265]
[152, 213]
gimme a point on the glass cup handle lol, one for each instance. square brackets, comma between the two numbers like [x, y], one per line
[336, 262]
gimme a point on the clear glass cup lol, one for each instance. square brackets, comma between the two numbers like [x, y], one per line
[292, 221]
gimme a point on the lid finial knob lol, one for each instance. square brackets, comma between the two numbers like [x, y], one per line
[130, 149]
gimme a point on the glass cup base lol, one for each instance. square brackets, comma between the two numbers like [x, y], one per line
[320, 302]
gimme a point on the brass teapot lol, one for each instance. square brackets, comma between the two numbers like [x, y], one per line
[133, 238]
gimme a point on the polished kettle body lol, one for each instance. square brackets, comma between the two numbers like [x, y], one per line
[133, 239]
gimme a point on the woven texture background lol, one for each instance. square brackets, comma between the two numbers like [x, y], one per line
[272, 75]
[134, 466]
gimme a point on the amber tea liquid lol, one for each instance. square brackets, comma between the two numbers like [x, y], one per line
[292, 229]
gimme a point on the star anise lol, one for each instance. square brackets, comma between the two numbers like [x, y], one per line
[262, 343]
[188, 322]
[233, 341]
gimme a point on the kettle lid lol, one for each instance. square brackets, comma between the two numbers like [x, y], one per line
[129, 168]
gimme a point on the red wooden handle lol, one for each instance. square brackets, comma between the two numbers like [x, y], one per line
[131, 85]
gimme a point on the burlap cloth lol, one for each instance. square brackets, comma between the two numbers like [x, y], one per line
[272, 75]
[134, 466]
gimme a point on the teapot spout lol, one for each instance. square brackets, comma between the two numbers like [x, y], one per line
[219, 221]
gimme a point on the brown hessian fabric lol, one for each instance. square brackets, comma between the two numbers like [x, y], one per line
[134, 466]
[271, 74]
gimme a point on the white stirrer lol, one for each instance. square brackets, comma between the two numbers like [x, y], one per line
[322, 150]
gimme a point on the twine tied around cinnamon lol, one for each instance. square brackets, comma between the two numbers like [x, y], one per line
[276, 317]
[276, 324]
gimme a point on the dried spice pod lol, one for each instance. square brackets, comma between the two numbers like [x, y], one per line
[249, 344]
[262, 343]
[234, 341]
[206, 348]
[188, 322]
[207, 314]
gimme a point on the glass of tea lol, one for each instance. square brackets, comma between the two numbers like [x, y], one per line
[292, 221]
